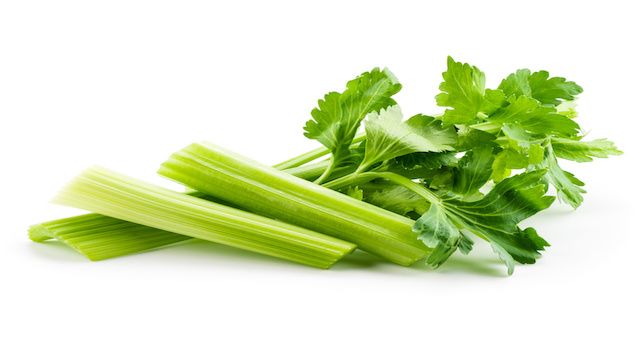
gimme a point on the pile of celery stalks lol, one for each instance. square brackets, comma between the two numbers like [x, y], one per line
[299, 212]
[315, 225]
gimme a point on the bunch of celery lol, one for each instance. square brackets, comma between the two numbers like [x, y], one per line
[404, 190]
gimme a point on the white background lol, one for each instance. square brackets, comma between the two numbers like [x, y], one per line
[125, 83]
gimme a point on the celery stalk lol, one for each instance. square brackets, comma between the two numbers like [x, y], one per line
[269, 192]
[100, 237]
[111, 194]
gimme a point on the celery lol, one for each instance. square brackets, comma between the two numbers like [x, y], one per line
[100, 237]
[453, 173]
[267, 191]
[111, 194]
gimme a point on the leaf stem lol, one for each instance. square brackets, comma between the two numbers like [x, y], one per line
[327, 171]
[313, 155]
[359, 178]
[491, 127]
[302, 159]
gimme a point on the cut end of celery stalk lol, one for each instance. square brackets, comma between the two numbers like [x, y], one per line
[99, 237]
[111, 194]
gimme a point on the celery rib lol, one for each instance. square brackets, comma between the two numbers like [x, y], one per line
[100, 237]
[114, 195]
[267, 191]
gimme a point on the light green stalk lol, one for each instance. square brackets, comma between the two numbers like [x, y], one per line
[100, 237]
[111, 194]
[264, 190]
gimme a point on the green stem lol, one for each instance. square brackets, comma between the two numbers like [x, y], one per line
[100, 237]
[309, 171]
[264, 190]
[313, 155]
[360, 178]
[312, 171]
[111, 194]
[327, 171]
[302, 159]
[358, 138]
[491, 127]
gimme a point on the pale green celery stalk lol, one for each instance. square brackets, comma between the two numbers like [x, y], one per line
[111, 194]
[100, 237]
[264, 190]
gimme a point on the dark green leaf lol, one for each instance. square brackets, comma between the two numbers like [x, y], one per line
[466, 244]
[583, 151]
[473, 171]
[469, 138]
[398, 199]
[463, 91]
[569, 187]
[549, 91]
[389, 137]
[435, 228]
[534, 118]
[427, 160]
[494, 218]
[505, 161]
[337, 118]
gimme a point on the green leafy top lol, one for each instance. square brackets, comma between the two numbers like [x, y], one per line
[539, 86]
[494, 218]
[463, 90]
[530, 116]
[583, 151]
[569, 187]
[532, 127]
[397, 199]
[389, 137]
[473, 171]
[454, 173]
[337, 118]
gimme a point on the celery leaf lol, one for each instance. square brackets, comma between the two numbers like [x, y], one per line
[338, 116]
[583, 151]
[398, 199]
[494, 218]
[538, 85]
[389, 137]
[473, 171]
[463, 91]
[568, 186]
[534, 118]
